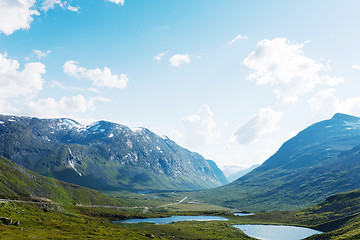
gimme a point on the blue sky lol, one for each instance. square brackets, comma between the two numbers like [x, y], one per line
[231, 80]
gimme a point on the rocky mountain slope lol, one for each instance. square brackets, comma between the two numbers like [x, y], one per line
[322, 160]
[104, 155]
[219, 174]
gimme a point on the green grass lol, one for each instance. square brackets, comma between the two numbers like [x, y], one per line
[338, 215]
[215, 230]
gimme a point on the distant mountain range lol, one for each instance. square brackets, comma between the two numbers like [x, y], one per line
[104, 155]
[232, 177]
[321, 160]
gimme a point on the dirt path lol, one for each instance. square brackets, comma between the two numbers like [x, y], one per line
[172, 203]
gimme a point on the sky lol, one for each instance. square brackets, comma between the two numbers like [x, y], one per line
[231, 80]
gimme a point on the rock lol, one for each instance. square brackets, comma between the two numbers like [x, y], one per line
[149, 235]
[6, 220]
[17, 223]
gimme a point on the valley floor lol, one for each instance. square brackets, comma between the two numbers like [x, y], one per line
[44, 220]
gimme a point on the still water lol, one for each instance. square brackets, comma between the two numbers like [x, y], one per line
[173, 219]
[243, 214]
[274, 232]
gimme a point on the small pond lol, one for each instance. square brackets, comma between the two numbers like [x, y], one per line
[274, 232]
[243, 214]
[173, 219]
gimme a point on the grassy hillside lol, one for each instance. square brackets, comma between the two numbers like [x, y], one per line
[16, 181]
[338, 216]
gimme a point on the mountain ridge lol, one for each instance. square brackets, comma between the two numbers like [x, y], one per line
[319, 161]
[103, 155]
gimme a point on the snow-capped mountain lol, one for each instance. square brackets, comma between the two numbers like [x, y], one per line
[103, 155]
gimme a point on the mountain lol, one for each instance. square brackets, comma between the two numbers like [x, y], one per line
[219, 174]
[103, 155]
[322, 160]
[232, 177]
[16, 181]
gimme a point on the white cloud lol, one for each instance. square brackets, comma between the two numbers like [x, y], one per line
[282, 63]
[179, 59]
[40, 54]
[325, 103]
[200, 127]
[49, 107]
[121, 2]
[50, 4]
[15, 83]
[238, 37]
[100, 78]
[159, 56]
[73, 9]
[357, 67]
[16, 15]
[266, 121]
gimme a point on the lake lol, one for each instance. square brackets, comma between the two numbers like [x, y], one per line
[275, 232]
[173, 219]
[243, 214]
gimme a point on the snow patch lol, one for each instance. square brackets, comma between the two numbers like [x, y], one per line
[159, 149]
[12, 120]
[72, 162]
[95, 126]
[136, 129]
[111, 135]
[1, 122]
[352, 125]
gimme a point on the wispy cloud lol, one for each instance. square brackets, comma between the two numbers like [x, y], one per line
[159, 56]
[200, 127]
[357, 67]
[238, 37]
[120, 2]
[57, 84]
[49, 107]
[40, 54]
